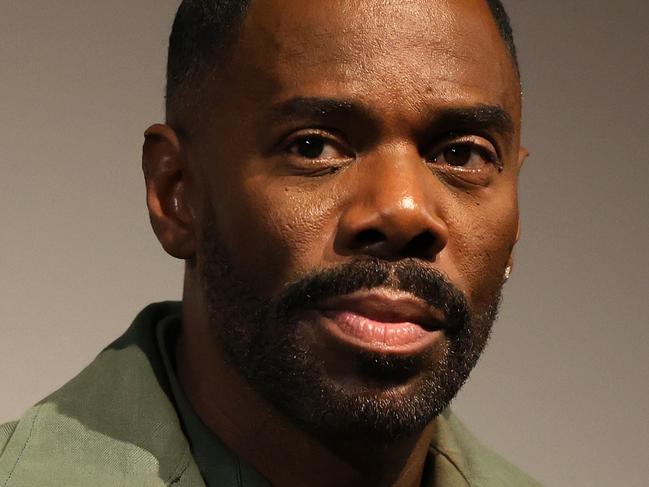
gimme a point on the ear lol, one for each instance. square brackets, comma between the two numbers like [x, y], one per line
[523, 154]
[510, 261]
[168, 190]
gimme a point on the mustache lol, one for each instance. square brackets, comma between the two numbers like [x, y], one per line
[406, 275]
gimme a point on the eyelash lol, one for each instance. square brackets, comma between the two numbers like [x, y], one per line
[452, 140]
[490, 156]
[325, 134]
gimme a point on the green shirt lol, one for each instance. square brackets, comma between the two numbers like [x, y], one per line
[124, 421]
[217, 463]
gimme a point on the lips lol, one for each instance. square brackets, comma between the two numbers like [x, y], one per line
[382, 319]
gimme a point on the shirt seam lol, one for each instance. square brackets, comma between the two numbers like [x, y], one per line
[239, 476]
[452, 462]
[22, 451]
[11, 428]
[180, 470]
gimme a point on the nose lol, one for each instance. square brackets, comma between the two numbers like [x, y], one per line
[393, 213]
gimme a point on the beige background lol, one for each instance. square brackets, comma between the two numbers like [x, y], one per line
[563, 390]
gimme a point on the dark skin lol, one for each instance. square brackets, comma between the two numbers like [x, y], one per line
[412, 110]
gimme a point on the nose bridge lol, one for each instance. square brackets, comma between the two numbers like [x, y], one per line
[397, 195]
[394, 210]
[393, 185]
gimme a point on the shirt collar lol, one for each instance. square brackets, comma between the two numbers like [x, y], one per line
[219, 465]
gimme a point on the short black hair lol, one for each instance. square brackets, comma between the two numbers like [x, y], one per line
[203, 30]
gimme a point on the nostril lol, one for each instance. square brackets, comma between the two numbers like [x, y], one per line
[421, 245]
[368, 237]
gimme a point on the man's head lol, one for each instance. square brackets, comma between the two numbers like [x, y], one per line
[342, 181]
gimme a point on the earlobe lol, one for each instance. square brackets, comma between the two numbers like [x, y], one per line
[518, 232]
[168, 187]
[523, 153]
[510, 266]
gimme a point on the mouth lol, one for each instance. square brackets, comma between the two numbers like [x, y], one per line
[383, 320]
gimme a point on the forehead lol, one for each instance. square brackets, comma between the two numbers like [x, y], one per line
[387, 52]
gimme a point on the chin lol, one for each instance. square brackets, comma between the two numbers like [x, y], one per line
[382, 398]
[381, 413]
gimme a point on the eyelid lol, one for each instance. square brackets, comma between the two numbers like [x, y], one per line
[329, 136]
[490, 152]
[325, 133]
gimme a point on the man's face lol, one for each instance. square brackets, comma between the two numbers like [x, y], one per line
[358, 164]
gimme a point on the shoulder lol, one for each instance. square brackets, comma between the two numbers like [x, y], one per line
[112, 424]
[478, 464]
[58, 447]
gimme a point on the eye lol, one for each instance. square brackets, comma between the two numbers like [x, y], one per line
[315, 147]
[467, 155]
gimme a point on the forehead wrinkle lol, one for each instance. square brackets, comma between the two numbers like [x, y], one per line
[405, 20]
[359, 38]
[353, 45]
[350, 26]
[351, 58]
[370, 63]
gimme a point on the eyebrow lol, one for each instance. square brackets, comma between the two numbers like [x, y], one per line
[474, 117]
[316, 107]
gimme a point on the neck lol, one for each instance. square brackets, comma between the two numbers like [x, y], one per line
[282, 452]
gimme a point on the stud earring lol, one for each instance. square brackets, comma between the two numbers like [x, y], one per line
[508, 272]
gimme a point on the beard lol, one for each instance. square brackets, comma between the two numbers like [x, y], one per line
[394, 397]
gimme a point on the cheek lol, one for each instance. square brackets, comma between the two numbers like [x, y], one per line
[481, 241]
[280, 232]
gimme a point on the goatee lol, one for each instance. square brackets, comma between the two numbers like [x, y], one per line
[399, 395]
